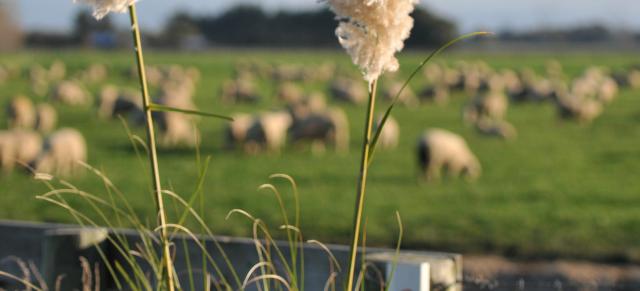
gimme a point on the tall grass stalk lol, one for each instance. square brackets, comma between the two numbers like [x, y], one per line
[153, 154]
[362, 183]
[368, 150]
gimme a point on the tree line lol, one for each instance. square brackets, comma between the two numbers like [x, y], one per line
[250, 26]
[241, 26]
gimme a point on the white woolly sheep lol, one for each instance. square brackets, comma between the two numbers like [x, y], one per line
[28, 146]
[390, 135]
[46, 118]
[63, 153]
[407, 97]
[438, 149]
[330, 127]
[21, 113]
[7, 151]
[70, 93]
[347, 90]
[500, 128]
[177, 128]
[114, 102]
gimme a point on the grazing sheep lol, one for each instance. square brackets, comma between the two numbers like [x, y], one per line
[472, 82]
[46, 118]
[582, 109]
[154, 75]
[235, 134]
[407, 97]
[70, 93]
[390, 135]
[21, 113]
[275, 126]
[496, 83]
[39, 80]
[330, 127]
[452, 78]
[513, 84]
[434, 73]
[266, 132]
[492, 106]
[634, 79]
[608, 90]
[113, 102]
[193, 74]
[501, 129]
[57, 71]
[7, 151]
[62, 154]
[438, 94]
[313, 103]
[347, 90]
[290, 72]
[438, 149]
[240, 90]
[290, 93]
[177, 128]
[95, 73]
[28, 146]
[323, 72]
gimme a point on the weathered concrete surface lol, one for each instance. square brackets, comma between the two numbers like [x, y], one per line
[497, 273]
[62, 250]
[64, 244]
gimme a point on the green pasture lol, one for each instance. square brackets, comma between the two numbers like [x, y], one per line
[560, 190]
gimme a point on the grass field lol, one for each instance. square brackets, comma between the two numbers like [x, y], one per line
[560, 190]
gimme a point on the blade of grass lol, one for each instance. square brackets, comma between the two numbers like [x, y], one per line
[362, 185]
[397, 253]
[396, 98]
[153, 155]
[162, 108]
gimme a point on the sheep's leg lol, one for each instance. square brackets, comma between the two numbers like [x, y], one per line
[455, 168]
[433, 170]
[318, 147]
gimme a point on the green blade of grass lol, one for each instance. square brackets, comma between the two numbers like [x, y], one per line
[396, 98]
[162, 108]
[397, 253]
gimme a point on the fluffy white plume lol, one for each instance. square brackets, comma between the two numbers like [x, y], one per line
[372, 31]
[103, 7]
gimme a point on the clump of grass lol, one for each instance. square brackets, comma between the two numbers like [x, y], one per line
[101, 9]
[279, 266]
[372, 32]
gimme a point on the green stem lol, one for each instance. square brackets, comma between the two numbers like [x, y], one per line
[153, 154]
[364, 169]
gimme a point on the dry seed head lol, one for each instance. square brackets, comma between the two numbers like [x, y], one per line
[103, 7]
[372, 31]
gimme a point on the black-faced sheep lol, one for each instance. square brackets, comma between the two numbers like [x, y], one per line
[439, 149]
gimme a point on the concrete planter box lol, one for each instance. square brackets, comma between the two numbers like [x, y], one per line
[56, 248]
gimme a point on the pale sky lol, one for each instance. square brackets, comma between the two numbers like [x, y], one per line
[470, 14]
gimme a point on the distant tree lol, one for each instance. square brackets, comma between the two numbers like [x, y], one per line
[85, 27]
[180, 26]
[11, 36]
[430, 30]
[243, 25]
[251, 26]
[304, 29]
[587, 33]
[590, 33]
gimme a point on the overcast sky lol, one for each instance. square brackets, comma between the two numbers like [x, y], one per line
[470, 14]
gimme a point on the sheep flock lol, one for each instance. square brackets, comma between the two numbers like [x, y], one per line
[303, 114]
